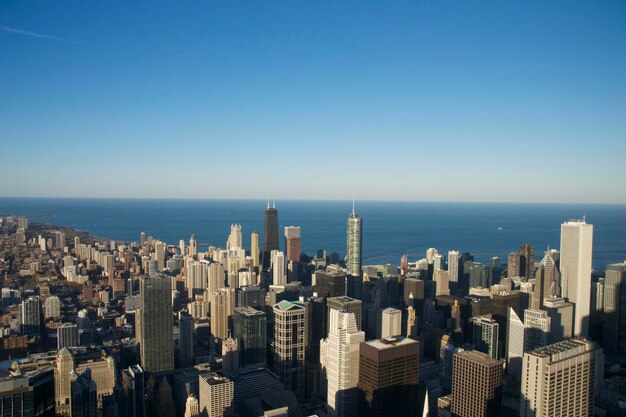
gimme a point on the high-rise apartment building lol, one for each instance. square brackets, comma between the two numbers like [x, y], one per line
[154, 324]
[67, 335]
[30, 317]
[576, 250]
[513, 265]
[254, 249]
[279, 275]
[527, 261]
[453, 265]
[292, 243]
[222, 304]
[560, 379]
[52, 307]
[388, 377]
[343, 341]
[354, 243]
[390, 322]
[476, 385]
[235, 238]
[289, 344]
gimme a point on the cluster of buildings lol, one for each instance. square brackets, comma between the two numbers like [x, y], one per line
[150, 328]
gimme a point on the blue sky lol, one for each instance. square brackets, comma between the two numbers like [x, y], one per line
[420, 100]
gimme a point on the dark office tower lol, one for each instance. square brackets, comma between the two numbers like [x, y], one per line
[501, 303]
[476, 385]
[330, 284]
[250, 332]
[84, 396]
[413, 291]
[185, 340]
[154, 324]
[270, 233]
[614, 334]
[513, 265]
[527, 261]
[134, 392]
[547, 281]
[345, 305]
[388, 377]
[354, 244]
[250, 296]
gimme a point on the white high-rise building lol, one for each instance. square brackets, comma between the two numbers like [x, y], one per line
[343, 364]
[354, 244]
[197, 277]
[254, 249]
[216, 276]
[52, 307]
[514, 345]
[453, 265]
[560, 379]
[222, 302]
[575, 265]
[235, 237]
[390, 323]
[278, 268]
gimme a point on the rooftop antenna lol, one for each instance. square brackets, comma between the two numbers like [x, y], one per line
[268, 202]
[584, 218]
[353, 203]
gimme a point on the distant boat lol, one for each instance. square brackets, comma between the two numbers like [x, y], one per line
[499, 228]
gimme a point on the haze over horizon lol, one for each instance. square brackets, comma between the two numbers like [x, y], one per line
[422, 101]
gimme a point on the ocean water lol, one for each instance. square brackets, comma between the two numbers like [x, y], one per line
[389, 228]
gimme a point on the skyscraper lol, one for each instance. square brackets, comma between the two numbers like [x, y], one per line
[185, 340]
[388, 377]
[536, 329]
[453, 265]
[292, 243]
[154, 324]
[390, 322]
[347, 305]
[67, 335]
[279, 276]
[222, 303]
[343, 341]
[134, 391]
[254, 249]
[614, 334]
[84, 395]
[547, 281]
[250, 332]
[576, 247]
[235, 237]
[485, 335]
[30, 317]
[270, 233]
[527, 261]
[354, 244]
[559, 380]
[289, 345]
[476, 385]
[514, 344]
[216, 395]
[513, 265]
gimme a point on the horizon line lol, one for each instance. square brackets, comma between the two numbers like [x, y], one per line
[312, 200]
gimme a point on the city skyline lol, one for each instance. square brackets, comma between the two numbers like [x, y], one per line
[535, 89]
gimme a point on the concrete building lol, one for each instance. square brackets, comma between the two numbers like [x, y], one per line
[292, 243]
[67, 335]
[388, 377]
[614, 333]
[453, 265]
[390, 323]
[485, 336]
[30, 317]
[476, 385]
[560, 379]
[343, 340]
[347, 305]
[222, 303]
[52, 307]
[575, 264]
[216, 395]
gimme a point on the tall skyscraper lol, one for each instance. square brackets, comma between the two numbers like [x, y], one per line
[547, 281]
[485, 335]
[53, 307]
[453, 265]
[185, 340]
[84, 395]
[576, 247]
[193, 246]
[536, 329]
[235, 237]
[251, 333]
[216, 395]
[30, 317]
[388, 377]
[154, 324]
[254, 249]
[279, 275]
[197, 276]
[476, 385]
[270, 233]
[514, 344]
[343, 341]
[347, 305]
[560, 379]
[513, 265]
[215, 276]
[527, 261]
[292, 243]
[390, 322]
[614, 320]
[133, 384]
[159, 253]
[354, 243]
[289, 345]
[222, 304]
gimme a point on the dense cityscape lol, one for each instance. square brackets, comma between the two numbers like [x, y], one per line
[255, 327]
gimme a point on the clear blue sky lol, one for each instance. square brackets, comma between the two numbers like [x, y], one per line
[420, 100]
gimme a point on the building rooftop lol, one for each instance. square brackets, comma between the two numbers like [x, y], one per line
[564, 350]
[390, 342]
[479, 357]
